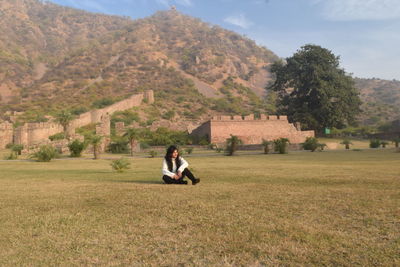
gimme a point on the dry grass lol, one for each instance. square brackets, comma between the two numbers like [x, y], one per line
[329, 208]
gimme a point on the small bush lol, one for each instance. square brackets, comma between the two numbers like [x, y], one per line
[189, 150]
[266, 145]
[203, 142]
[13, 155]
[120, 165]
[118, 146]
[45, 154]
[396, 142]
[152, 153]
[281, 145]
[321, 147]
[346, 143]
[9, 145]
[58, 136]
[384, 144]
[311, 143]
[232, 145]
[374, 143]
[17, 149]
[212, 146]
[76, 148]
[219, 149]
[144, 145]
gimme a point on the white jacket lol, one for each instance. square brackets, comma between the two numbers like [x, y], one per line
[165, 170]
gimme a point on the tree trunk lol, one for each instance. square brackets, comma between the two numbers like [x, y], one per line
[95, 152]
[132, 143]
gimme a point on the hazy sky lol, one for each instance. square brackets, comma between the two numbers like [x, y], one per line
[364, 33]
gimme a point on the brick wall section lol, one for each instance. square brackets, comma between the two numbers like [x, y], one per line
[6, 134]
[250, 130]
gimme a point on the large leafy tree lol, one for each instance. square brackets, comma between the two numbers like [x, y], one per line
[314, 90]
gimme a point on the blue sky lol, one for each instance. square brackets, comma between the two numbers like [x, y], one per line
[364, 33]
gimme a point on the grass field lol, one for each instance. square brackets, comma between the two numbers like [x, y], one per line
[338, 208]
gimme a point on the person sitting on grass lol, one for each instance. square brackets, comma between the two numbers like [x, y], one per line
[175, 168]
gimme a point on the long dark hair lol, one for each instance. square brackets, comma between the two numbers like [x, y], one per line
[168, 158]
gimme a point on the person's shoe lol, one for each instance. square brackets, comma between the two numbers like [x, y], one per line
[196, 181]
[183, 182]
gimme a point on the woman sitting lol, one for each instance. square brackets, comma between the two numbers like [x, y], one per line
[175, 168]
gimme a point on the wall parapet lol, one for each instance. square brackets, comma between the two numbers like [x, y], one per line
[250, 117]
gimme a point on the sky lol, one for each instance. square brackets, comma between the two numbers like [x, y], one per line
[364, 33]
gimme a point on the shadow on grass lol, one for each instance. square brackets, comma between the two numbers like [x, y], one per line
[139, 181]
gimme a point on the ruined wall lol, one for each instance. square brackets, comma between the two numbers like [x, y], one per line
[252, 131]
[94, 116]
[6, 134]
[104, 129]
[35, 133]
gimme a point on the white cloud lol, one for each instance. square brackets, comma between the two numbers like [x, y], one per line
[348, 10]
[239, 20]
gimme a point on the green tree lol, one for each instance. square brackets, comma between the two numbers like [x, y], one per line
[266, 145]
[396, 142]
[281, 145]
[120, 165]
[133, 135]
[314, 90]
[346, 143]
[64, 118]
[17, 149]
[232, 144]
[76, 148]
[95, 141]
[45, 153]
[311, 143]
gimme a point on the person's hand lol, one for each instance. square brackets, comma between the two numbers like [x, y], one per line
[176, 177]
[179, 174]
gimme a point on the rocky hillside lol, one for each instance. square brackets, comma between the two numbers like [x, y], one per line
[55, 57]
[381, 100]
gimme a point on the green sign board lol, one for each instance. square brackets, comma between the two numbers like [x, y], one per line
[327, 131]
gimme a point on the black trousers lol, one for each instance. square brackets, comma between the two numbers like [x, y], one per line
[186, 172]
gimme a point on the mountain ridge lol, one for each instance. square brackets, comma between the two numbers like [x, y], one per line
[56, 57]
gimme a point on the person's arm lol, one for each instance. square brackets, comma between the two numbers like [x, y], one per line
[184, 165]
[165, 170]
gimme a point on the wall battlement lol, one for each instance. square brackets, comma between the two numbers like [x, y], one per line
[251, 130]
[250, 118]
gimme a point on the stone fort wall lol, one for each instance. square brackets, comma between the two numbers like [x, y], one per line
[34, 133]
[6, 134]
[95, 116]
[251, 130]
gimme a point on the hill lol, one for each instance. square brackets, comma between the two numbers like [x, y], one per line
[381, 100]
[59, 58]
[54, 57]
